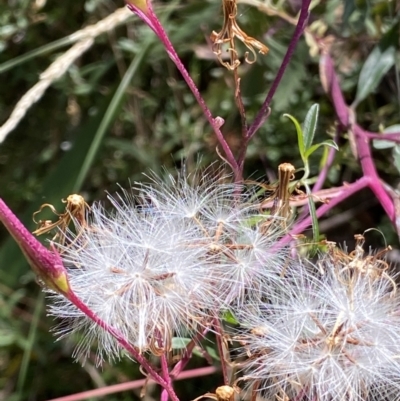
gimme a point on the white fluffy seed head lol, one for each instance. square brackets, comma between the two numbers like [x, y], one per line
[327, 334]
[164, 263]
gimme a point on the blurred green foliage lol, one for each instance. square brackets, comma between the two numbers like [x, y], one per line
[122, 109]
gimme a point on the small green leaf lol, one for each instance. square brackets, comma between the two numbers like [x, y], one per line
[310, 125]
[383, 144]
[210, 351]
[180, 342]
[313, 148]
[378, 63]
[300, 136]
[396, 157]
[392, 129]
[229, 317]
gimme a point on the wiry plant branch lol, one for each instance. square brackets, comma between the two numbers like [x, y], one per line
[147, 15]
[262, 114]
[347, 119]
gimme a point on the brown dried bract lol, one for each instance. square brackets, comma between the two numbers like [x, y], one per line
[75, 210]
[279, 198]
[357, 263]
[222, 393]
[231, 30]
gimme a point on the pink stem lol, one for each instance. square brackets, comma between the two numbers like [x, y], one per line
[347, 119]
[125, 344]
[390, 136]
[301, 23]
[304, 224]
[48, 265]
[153, 22]
[165, 375]
[187, 353]
[116, 388]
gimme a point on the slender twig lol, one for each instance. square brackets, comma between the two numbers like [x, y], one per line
[392, 136]
[347, 120]
[261, 115]
[49, 267]
[220, 344]
[116, 388]
[166, 376]
[323, 173]
[147, 15]
[306, 223]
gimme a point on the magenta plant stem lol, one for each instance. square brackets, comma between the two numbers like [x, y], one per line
[219, 335]
[153, 22]
[126, 345]
[49, 267]
[165, 375]
[187, 354]
[349, 190]
[392, 136]
[347, 119]
[261, 115]
[116, 388]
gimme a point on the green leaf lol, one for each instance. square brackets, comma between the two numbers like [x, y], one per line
[349, 8]
[229, 317]
[396, 157]
[313, 148]
[383, 144]
[300, 137]
[181, 343]
[378, 63]
[392, 129]
[310, 125]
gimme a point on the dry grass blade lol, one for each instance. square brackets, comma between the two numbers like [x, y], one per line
[85, 39]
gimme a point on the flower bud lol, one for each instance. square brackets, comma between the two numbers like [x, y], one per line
[47, 264]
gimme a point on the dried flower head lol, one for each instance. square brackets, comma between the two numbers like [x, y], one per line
[331, 334]
[231, 30]
[165, 262]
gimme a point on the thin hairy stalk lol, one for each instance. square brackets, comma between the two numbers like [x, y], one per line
[166, 376]
[149, 17]
[125, 344]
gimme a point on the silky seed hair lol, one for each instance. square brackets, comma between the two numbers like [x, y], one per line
[164, 263]
[329, 331]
